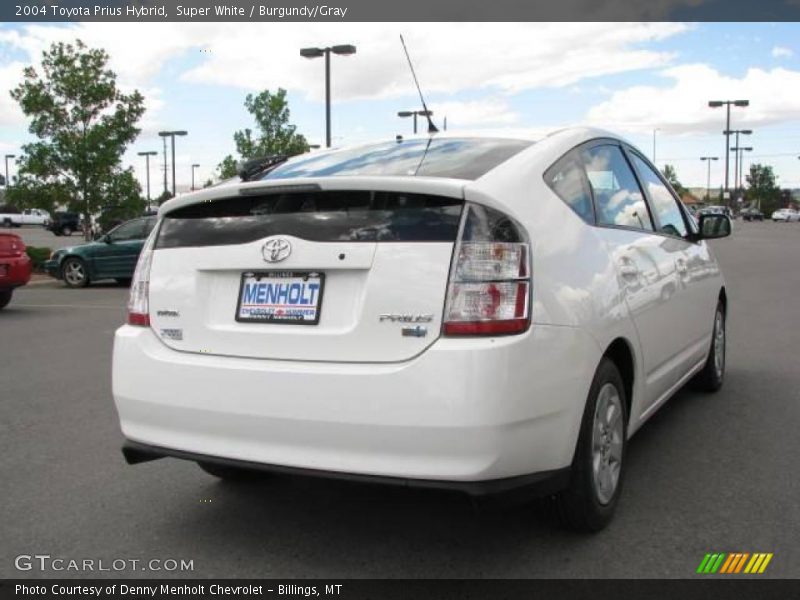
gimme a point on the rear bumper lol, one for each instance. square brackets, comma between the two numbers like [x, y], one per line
[469, 410]
[535, 484]
[14, 272]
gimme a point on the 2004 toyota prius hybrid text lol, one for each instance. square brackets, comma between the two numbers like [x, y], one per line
[472, 313]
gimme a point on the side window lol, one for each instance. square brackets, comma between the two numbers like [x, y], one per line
[617, 196]
[132, 230]
[668, 213]
[148, 225]
[567, 179]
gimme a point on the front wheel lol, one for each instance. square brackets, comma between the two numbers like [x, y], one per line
[710, 379]
[5, 298]
[74, 273]
[589, 502]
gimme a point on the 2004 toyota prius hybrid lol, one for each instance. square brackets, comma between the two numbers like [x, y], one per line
[472, 313]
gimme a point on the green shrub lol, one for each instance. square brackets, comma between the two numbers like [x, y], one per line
[38, 256]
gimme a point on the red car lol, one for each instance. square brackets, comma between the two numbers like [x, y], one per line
[15, 266]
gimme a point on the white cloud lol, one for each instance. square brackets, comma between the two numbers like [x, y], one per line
[682, 107]
[449, 57]
[492, 111]
[782, 52]
[10, 113]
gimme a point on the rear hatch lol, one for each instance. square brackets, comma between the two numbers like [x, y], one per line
[345, 269]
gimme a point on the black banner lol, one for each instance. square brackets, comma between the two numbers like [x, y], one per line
[396, 589]
[407, 10]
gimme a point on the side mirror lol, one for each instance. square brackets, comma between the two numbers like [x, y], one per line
[106, 238]
[714, 226]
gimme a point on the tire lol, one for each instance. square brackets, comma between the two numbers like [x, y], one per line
[589, 502]
[5, 298]
[229, 473]
[74, 272]
[124, 281]
[66, 230]
[711, 378]
[8, 223]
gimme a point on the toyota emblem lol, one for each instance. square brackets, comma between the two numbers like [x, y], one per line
[276, 250]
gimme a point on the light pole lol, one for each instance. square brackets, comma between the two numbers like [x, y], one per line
[165, 135]
[194, 166]
[147, 156]
[8, 181]
[708, 160]
[739, 150]
[415, 113]
[727, 104]
[341, 49]
[737, 157]
[654, 144]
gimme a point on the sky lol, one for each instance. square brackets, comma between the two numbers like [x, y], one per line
[634, 79]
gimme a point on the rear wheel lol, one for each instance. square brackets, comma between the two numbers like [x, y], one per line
[589, 502]
[229, 473]
[5, 298]
[126, 281]
[66, 230]
[74, 273]
[710, 379]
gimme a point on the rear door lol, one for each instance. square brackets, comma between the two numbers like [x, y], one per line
[117, 257]
[344, 269]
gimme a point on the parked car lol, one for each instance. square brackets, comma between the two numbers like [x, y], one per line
[111, 256]
[786, 215]
[13, 217]
[752, 214]
[64, 223]
[715, 210]
[15, 266]
[478, 314]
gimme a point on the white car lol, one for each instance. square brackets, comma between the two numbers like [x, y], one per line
[28, 216]
[480, 314]
[786, 214]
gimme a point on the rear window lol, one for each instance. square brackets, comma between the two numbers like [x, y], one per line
[458, 158]
[320, 216]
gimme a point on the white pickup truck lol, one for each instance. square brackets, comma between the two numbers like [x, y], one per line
[28, 216]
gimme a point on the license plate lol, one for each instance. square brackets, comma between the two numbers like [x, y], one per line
[286, 297]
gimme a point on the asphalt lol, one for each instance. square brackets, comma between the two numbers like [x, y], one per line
[708, 473]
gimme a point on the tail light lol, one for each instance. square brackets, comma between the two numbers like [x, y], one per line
[139, 301]
[488, 291]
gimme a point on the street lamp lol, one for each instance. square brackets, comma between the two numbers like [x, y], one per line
[165, 135]
[147, 156]
[737, 157]
[194, 166]
[415, 114]
[708, 160]
[739, 150]
[343, 50]
[727, 104]
[8, 181]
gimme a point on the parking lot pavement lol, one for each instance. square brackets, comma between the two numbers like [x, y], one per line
[42, 238]
[706, 474]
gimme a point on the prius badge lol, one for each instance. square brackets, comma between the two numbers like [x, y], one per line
[276, 250]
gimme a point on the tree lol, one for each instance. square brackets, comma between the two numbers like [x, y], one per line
[123, 200]
[672, 177]
[763, 189]
[83, 123]
[275, 135]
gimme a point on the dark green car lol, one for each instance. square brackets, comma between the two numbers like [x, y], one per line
[110, 256]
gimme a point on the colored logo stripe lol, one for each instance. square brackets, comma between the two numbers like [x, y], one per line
[734, 563]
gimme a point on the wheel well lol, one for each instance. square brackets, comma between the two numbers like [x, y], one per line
[621, 355]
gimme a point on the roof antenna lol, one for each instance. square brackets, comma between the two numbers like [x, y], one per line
[431, 127]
